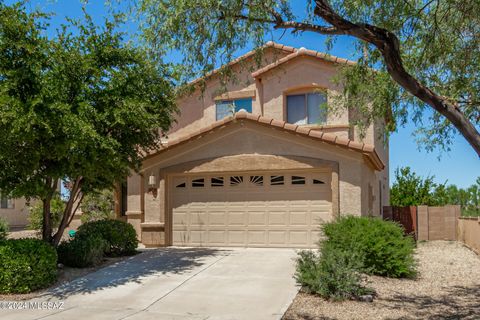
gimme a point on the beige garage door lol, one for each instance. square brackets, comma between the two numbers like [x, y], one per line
[268, 209]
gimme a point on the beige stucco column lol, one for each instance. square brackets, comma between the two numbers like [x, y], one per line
[134, 213]
[153, 227]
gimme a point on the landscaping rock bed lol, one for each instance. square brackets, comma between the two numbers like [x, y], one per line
[447, 287]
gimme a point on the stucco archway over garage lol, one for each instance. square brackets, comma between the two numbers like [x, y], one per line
[244, 182]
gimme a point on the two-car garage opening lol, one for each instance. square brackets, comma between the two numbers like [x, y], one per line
[250, 209]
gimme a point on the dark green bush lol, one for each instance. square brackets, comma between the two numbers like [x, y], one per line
[26, 265]
[82, 252]
[381, 244]
[120, 236]
[333, 274]
[3, 228]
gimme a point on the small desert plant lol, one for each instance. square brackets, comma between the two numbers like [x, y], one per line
[333, 274]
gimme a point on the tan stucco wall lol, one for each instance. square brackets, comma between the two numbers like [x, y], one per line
[259, 148]
[468, 231]
[18, 215]
[304, 74]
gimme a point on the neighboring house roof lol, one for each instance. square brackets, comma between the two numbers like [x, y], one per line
[367, 150]
[302, 52]
[293, 53]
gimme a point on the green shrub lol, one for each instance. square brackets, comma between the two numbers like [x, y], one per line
[97, 206]
[333, 274]
[82, 252]
[120, 236]
[26, 265]
[3, 228]
[35, 218]
[381, 244]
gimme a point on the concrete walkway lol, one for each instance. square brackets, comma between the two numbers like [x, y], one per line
[179, 283]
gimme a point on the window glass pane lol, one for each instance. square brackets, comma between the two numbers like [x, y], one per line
[296, 109]
[224, 109]
[243, 104]
[316, 105]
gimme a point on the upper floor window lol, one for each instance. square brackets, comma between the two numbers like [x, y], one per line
[5, 202]
[306, 108]
[226, 108]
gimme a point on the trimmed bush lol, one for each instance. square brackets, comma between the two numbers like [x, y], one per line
[3, 228]
[332, 274]
[382, 245]
[120, 236]
[26, 265]
[82, 252]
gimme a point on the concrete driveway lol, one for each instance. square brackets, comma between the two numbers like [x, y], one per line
[178, 283]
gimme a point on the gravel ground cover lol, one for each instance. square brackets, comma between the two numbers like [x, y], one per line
[447, 287]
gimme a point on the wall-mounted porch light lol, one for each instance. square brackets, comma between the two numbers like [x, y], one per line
[152, 185]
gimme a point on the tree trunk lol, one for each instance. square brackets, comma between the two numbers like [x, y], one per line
[47, 220]
[71, 207]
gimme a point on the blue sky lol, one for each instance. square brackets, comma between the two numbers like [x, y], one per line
[460, 166]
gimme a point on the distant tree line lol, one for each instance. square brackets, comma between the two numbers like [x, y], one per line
[410, 189]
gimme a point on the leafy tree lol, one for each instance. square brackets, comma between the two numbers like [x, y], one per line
[410, 189]
[98, 205]
[81, 107]
[426, 52]
[35, 216]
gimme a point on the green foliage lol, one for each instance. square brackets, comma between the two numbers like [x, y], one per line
[82, 106]
[120, 236]
[382, 245]
[435, 39]
[98, 205]
[82, 252]
[26, 265]
[333, 273]
[3, 228]
[409, 189]
[35, 217]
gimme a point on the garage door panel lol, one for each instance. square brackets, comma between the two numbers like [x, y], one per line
[277, 218]
[236, 218]
[257, 219]
[299, 237]
[299, 218]
[258, 237]
[251, 213]
[217, 219]
[236, 237]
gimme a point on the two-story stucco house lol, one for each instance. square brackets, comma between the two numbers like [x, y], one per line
[267, 175]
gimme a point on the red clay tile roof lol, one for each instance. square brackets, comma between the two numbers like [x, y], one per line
[294, 52]
[302, 52]
[367, 150]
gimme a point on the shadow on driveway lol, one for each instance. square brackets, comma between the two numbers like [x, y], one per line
[162, 261]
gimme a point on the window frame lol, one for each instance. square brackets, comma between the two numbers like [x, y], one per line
[305, 94]
[232, 102]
